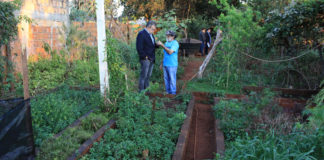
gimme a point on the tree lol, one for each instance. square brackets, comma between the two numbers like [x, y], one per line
[8, 32]
[266, 6]
[298, 28]
[146, 8]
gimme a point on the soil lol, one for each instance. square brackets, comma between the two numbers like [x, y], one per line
[201, 144]
[191, 69]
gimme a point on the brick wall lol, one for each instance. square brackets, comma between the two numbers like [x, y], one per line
[52, 35]
[48, 18]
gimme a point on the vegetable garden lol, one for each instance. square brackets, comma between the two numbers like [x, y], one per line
[259, 97]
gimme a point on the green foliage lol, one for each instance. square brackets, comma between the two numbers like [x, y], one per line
[297, 145]
[53, 112]
[8, 32]
[195, 25]
[84, 72]
[237, 118]
[76, 45]
[290, 30]
[129, 54]
[316, 119]
[240, 33]
[47, 73]
[257, 129]
[8, 21]
[298, 23]
[266, 6]
[79, 15]
[167, 22]
[140, 128]
[64, 146]
[116, 68]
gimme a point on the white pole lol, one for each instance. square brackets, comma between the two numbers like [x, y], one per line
[101, 37]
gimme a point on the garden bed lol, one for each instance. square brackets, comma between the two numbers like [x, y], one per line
[76, 140]
[289, 105]
[53, 112]
[85, 147]
[305, 93]
[144, 130]
[255, 127]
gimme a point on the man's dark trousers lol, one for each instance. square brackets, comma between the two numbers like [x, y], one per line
[146, 72]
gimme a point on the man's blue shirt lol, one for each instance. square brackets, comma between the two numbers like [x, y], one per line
[171, 60]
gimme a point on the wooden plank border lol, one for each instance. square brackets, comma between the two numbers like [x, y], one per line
[184, 134]
[85, 147]
[74, 124]
[219, 135]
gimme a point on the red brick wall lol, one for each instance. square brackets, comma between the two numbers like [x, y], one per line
[42, 33]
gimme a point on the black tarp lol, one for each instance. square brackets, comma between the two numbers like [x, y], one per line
[16, 134]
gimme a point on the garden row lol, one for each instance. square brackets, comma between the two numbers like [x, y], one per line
[257, 128]
[142, 128]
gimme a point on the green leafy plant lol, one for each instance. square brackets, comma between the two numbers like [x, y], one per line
[297, 145]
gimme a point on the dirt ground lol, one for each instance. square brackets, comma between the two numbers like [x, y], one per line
[201, 143]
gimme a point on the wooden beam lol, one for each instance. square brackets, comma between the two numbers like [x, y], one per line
[25, 73]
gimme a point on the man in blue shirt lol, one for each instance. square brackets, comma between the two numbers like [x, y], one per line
[170, 62]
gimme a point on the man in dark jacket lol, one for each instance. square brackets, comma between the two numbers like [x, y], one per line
[202, 38]
[208, 40]
[145, 46]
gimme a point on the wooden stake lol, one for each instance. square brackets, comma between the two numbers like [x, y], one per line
[25, 73]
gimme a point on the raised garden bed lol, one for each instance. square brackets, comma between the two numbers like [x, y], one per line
[146, 128]
[291, 105]
[256, 129]
[306, 93]
[53, 112]
[84, 132]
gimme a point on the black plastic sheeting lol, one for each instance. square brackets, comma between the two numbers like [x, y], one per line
[16, 133]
